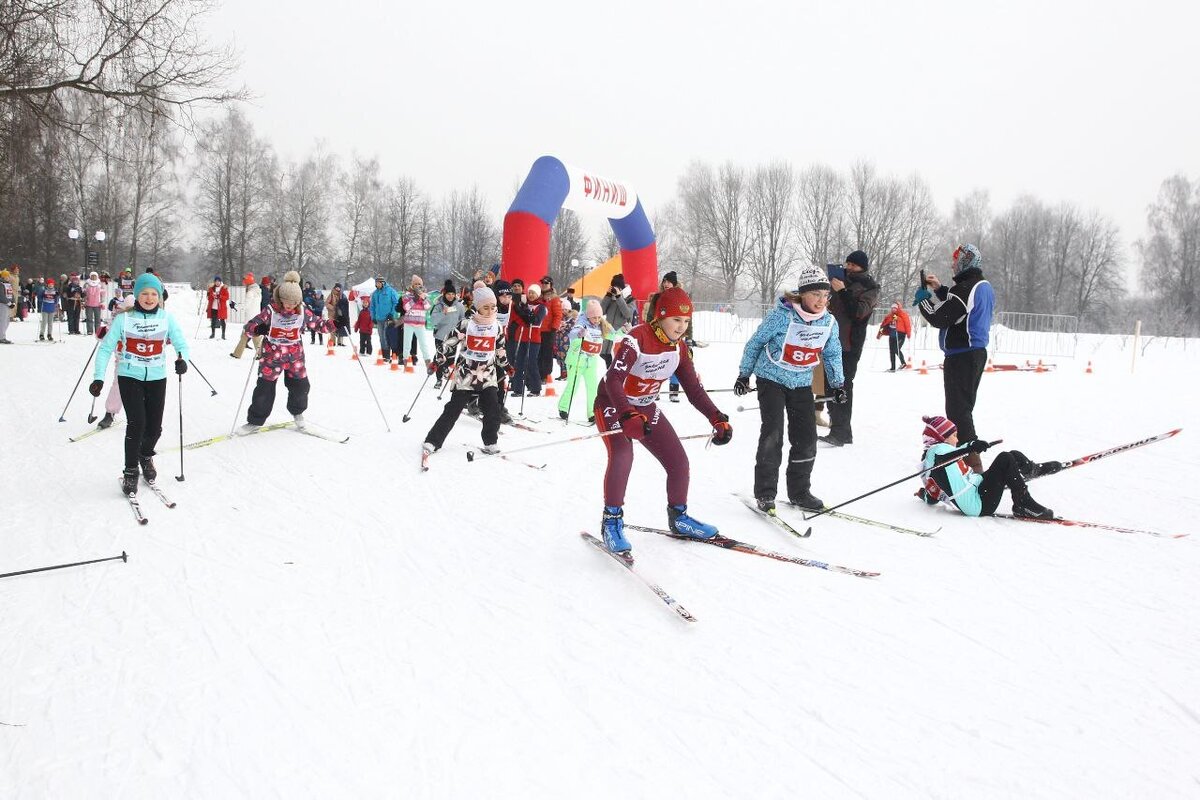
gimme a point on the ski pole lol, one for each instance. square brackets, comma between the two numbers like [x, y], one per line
[406, 416]
[92, 412]
[471, 453]
[917, 474]
[714, 391]
[179, 477]
[446, 381]
[372, 388]
[63, 416]
[574, 381]
[123, 557]
[524, 388]
[242, 399]
[201, 374]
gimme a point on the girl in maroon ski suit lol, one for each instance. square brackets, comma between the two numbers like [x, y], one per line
[642, 361]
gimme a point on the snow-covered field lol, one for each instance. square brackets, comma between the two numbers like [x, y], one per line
[322, 620]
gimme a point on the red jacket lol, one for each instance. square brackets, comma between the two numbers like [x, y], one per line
[554, 314]
[526, 321]
[222, 306]
[364, 324]
[900, 319]
[628, 350]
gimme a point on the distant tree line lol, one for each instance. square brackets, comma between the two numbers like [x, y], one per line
[97, 133]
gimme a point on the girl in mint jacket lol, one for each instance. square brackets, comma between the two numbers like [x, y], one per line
[141, 336]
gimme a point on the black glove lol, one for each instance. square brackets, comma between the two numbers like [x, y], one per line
[977, 446]
[94, 388]
[262, 329]
[742, 385]
[722, 430]
[233, 305]
[839, 395]
[180, 366]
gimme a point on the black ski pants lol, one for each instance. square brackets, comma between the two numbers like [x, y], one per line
[961, 374]
[895, 348]
[839, 413]
[1008, 470]
[774, 401]
[264, 398]
[143, 401]
[489, 403]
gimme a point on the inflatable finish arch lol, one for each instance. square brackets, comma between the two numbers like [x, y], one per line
[553, 185]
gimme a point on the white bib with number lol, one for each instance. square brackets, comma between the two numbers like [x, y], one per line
[479, 342]
[144, 341]
[802, 346]
[648, 373]
[286, 329]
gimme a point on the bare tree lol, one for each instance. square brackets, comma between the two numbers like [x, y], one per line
[920, 232]
[149, 56]
[971, 220]
[303, 211]
[567, 241]
[720, 204]
[874, 212]
[360, 188]
[772, 207]
[235, 175]
[1097, 269]
[820, 200]
[1171, 249]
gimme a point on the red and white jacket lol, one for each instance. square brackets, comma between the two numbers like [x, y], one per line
[641, 363]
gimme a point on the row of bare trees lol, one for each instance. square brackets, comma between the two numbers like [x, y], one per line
[737, 232]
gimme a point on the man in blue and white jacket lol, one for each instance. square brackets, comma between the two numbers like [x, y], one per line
[964, 315]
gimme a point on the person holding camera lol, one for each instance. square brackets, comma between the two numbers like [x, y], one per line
[797, 335]
[619, 309]
[963, 314]
[855, 295]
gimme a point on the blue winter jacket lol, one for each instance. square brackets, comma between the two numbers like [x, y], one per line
[383, 303]
[767, 344]
[117, 333]
[958, 485]
[963, 313]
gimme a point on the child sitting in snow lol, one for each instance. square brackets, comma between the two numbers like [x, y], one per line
[972, 493]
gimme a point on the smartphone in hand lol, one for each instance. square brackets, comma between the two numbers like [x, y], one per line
[836, 271]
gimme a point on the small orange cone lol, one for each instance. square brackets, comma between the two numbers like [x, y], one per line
[408, 367]
[379, 361]
[923, 371]
[329, 352]
[354, 355]
[395, 363]
[1040, 368]
[548, 383]
[989, 367]
[1088, 371]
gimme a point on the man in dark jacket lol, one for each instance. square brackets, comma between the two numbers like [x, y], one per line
[851, 304]
[964, 316]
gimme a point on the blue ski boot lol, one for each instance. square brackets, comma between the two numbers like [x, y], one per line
[613, 530]
[681, 524]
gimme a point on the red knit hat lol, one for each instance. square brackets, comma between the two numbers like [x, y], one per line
[674, 302]
[937, 428]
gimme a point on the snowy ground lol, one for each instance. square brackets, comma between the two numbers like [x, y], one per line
[317, 619]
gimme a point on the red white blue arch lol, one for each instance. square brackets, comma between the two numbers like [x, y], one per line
[552, 186]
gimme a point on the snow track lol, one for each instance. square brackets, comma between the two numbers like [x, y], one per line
[320, 621]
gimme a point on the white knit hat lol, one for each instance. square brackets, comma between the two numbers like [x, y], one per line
[288, 292]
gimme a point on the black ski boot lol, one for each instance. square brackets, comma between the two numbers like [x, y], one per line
[106, 421]
[129, 481]
[765, 505]
[1044, 468]
[808, 501]
[148, 469]
[1025, 506]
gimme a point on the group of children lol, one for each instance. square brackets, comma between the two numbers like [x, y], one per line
[472, 353]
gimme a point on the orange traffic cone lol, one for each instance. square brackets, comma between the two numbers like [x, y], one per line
[329, 352]
[354, 355]
[923, 371]
[379, 361]
[1040, 368]
[548, 386]
[989, 367]
[395, 363]
[1088, 371]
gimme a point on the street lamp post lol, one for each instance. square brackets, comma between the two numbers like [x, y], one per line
[91, 258]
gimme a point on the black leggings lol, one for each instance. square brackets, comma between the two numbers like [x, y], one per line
[1007, 470]
[143, 401]
[489, 402]
[776, 402]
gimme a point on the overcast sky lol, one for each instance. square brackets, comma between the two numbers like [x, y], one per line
[1089, 102]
